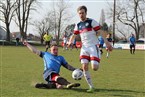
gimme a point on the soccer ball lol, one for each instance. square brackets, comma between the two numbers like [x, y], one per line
[77, 74]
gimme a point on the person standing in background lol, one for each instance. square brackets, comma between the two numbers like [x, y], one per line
[132, 41]
[47, 38]
[101, 43]
[109, 38]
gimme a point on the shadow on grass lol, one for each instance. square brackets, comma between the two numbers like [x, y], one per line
[100, 90]
[113, 92]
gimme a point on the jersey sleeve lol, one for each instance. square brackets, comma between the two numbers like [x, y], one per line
[41, 54]
[95, 25]
[63, 61]
[76, 30]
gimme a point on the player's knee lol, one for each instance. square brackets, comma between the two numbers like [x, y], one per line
[85, 67]
[95, 68]
[95, 65]
[84, 63]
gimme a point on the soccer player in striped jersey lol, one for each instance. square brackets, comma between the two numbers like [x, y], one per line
[87, 28]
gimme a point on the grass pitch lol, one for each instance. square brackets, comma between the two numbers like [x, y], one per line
[121, 75]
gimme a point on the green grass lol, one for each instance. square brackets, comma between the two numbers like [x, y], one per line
[121, 75]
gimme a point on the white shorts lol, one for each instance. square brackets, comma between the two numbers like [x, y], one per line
[91, 53]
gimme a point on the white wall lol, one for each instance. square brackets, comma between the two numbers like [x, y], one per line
[127, 46]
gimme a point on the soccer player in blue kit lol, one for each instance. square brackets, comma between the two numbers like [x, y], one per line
[52, 65]
[101, 43]
[132, 41]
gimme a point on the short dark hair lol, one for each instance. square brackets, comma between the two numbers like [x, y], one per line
[53, 44]
[82, 7]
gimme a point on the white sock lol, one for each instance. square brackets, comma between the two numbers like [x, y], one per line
[107, 54]
[88, 78]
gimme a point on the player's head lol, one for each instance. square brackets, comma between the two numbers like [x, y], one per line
[54, 49]
[82, 11]
[132, 35]
[46, 33]
[109, 35]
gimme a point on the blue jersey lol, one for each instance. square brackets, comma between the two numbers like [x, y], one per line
[52, 62]
[132, 40]
[74, 42]
[101, 40]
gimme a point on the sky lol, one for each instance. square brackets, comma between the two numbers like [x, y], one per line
[94, 11]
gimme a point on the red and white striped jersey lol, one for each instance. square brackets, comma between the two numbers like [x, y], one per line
[87, 30]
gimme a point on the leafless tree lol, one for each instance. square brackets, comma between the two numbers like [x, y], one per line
[46, 24]
[7, 9]
[23, 13]
[102, 18]
[130, 13]
[61, 17]
[121, 31]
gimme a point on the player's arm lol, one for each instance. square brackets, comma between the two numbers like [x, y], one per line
[31, 48]
[73, 36]
[69, 67]
[97, 28]
[65, 64]
[71, 39]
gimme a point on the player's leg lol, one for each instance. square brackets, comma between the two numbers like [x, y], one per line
[85, 61]
[65, 46]
[75, 46]
[108, 52]
[107, 55]
[95, 59]
[133, 49]
[47, 77]
[87, 75]
[46, 46]
[101, 46]
[101, 50]
[62, 81]
[49, 85]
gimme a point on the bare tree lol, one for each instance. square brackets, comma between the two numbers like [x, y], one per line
[131, 13]
[44, 25]
[7, 8]
[23, 13]
[121, 31]
[61, 17]
[102, 18]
